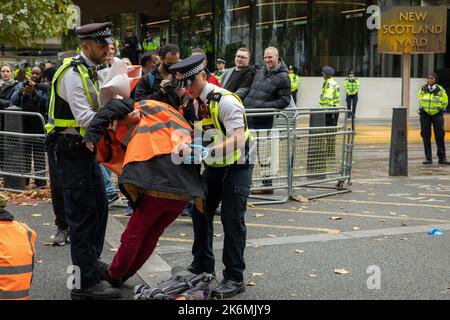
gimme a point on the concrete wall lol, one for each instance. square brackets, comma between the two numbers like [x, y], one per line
[377, 96]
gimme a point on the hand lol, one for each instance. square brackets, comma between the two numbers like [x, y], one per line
[22, 90]
[163, 84]
[30, 90]
[90, 146]
[113, 125]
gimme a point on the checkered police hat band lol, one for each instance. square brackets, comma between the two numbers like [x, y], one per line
[190, 73]
[97, 35]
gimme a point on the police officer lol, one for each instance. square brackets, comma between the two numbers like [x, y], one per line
[330, 96]
[294, 83]
[73, 104]
[220, 65]
[351, 85]
[433, 100]
[151, 42]
[227, 174]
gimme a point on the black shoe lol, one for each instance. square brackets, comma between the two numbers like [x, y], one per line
[428, 162]
[61, 237]
[100, 291]
[113, 200]
[444, 162]
[102, 269]
[228, 289]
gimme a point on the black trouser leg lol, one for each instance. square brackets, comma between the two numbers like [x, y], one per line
[439, 133]
[39, 162]
[425, 132]
[331, 121]
[56, 189]
[202, 249]
[349, 104]
[236, 189]
[82, 188]
[294, 96]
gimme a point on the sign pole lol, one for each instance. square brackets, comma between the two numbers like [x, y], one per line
[406, 84]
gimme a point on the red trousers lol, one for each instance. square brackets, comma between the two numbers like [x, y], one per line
[141, 235]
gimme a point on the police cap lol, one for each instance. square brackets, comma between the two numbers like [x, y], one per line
[328, 71]
[220, 60]
[186, 70]
[99, 32]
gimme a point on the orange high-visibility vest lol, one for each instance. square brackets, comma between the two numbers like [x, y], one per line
[17, 252]
[160, 129]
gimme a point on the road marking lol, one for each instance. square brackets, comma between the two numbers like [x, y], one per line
[362, 215]
[175, 239]
[261, 225]
[387, 203]
[434, 195]
[351, 235]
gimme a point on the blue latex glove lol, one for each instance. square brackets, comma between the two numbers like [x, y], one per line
[199, 153]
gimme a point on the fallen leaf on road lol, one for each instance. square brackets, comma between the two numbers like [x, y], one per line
[46, 224]
[334, 231]
[404, 238]
[393, 213]
[26, 204]
[36, 215]
[217, 235]
[335, 218]
[404, 216]
[250, 205]
[183, 234]
[341, 271]
[152, 275]
[291, 220]
[382, 220]
[313, 275]
[114, 249]
[257, 274]
[271, 236]
[299, 251]
[294, 208]
[40, 261]
[403, 225]
[259, 215]
[356, 228]
[293, 295]
[250, 284]
[300, 199]
[46, 244]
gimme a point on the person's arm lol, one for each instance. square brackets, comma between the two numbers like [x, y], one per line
[247, 81]
[444, 100]
[16, 97]
[283, 95]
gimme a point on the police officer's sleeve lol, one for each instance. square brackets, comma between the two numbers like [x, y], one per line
[444, 100]
[231, 113]
[71, 89]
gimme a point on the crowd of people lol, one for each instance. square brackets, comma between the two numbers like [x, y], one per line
[174, 92]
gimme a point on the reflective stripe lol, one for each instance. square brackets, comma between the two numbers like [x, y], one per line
[159, 126]
[154, 110]
[15, 270]
[14, 294]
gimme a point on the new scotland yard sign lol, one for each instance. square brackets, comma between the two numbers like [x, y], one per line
[414, 30]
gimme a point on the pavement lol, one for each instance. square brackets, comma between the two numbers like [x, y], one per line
[329, 248]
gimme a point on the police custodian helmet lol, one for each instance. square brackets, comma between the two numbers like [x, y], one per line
[99, 32]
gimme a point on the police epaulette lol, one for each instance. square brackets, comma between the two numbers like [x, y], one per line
[76, 61]
[214, 96]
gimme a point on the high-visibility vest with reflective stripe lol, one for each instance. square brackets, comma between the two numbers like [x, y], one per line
[159, 131]
[152, 45]
[294, 81]
[90, 89]
[17, 252]
[330, 96]
[351, 86]
[433, 102]
[214, 121]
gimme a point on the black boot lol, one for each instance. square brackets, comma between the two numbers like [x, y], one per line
[99, 291]
[444, 162]
[103, 273]
[228, 289]
[428, 162]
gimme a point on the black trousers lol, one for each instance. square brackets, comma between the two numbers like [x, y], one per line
[56, 189]
[86, 206]
[352, 102]
[231, 186]
[437, 121]
[294, 96]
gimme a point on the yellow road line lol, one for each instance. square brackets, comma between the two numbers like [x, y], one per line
[261, 225]
[388, 203]
[434, 195]
[361, 215]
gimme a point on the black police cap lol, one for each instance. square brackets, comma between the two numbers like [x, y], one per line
[99, 32]
[185, 71]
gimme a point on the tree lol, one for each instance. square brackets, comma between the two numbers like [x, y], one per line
[22, 22]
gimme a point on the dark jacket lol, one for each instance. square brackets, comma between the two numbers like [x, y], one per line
[270, 90]
[37, 103]
[157, 174]
[5, 95]
[242, 85]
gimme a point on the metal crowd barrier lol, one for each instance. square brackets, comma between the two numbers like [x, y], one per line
[302, 151]
[22, 155]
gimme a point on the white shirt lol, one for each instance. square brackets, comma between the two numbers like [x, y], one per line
[231, 111]
[70, 89]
